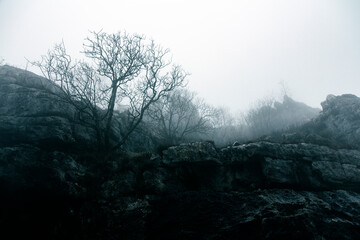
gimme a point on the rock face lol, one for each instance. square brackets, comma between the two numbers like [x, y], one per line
[259, 214]
[38, 191]
[337, 126]
[31, 112]
[340, 119]
[194, 191]
[265, 165]
[302, 185]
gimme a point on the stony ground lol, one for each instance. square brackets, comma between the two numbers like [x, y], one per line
[300, 185]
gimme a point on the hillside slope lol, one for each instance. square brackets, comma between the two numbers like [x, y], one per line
[31, 111]
[300, 185]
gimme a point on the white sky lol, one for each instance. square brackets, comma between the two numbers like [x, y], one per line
[236, 51]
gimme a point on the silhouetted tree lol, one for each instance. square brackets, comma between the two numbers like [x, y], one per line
[228, 128]
[181, 116]
[260, 118]
[123, 75]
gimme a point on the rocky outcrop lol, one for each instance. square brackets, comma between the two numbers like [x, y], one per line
[193, 191]
[337, 126]
[302, 185]
[31, 111]
[340, 120]
[264, 165]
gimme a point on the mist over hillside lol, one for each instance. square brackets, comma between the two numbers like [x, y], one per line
[292, 170]
[154, 119]
[184, 118]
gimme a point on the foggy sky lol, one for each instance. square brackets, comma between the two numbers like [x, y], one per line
[236, 51]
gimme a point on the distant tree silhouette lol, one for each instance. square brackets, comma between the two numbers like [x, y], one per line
[228, 128]
[181, 116]
[260, 118]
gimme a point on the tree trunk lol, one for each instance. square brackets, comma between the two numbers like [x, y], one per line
[110, 114]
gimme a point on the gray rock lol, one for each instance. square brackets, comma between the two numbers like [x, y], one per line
[287, 190]
[192, 152]
[305, 166]
[340, 119]
[32, 112]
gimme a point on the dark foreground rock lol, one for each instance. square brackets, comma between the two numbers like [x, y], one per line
[260, 214]
[194, 191]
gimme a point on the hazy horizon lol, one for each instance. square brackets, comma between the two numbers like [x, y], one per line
[236, 51]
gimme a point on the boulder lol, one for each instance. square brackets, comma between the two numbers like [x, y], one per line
[340, 120]
[31, 111]
[337, 126]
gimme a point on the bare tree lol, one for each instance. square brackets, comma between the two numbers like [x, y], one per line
[225, 127]
[121, 70]
[180, 116]
[260, 118]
